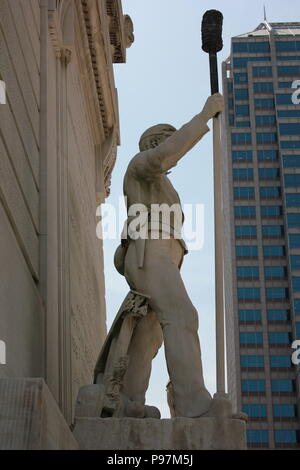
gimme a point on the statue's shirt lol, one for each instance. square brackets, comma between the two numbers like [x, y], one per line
[146, 182]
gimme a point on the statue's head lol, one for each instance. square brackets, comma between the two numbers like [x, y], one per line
[155, 135]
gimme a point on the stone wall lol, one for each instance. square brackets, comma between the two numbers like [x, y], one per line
[58, 141]
[21, 308]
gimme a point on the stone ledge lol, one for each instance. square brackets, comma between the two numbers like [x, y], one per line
[166, 434]
[30, 418]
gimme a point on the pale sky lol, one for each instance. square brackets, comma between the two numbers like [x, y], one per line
[166, 79]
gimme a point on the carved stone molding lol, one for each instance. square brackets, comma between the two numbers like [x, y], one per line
[55, 32]
[120, 30]
[57, 9]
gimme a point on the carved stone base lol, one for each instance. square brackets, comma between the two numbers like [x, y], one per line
[30, 418]
[166, 434]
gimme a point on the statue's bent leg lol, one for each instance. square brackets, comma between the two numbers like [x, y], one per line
[145, 343]
[160, 279]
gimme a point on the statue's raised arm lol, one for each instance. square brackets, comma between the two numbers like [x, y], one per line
[161, 149]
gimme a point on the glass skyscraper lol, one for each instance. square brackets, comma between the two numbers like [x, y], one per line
[261, 192]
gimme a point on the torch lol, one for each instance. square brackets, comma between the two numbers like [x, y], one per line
[212, 43]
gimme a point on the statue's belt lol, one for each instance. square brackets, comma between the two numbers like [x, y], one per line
[163, 231]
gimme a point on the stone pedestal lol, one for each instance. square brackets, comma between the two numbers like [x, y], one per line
[30, 418]
[166, 434]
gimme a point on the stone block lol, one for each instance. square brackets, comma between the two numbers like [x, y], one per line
[208, 433]
[30, 419]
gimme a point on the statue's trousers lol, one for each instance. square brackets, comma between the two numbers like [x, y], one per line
[175, 318]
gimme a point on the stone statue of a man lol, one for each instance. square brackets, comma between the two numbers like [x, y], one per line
[152, 267]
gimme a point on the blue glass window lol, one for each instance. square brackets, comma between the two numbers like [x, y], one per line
[282, 385]
[248, 293]
[268, 155]
[274, 251]
[293, 220]
[290, 128]
[243, 174]
[266, 137]
[244, 193]
[269, 173]
[275, 272]
[296, 284]
[251, 337]
[246, 252]
[262, 71]
[245, 211]
[255, 411]
[247, 272]
[284, 411]
[294, 240]
[291, 180]
[270, 192]
[241, 138]
[243, 124]
[288, 57]
[297, 306]
[257, 436]
[280, 362]
[230, 102]
[246, 231]
[290, 144]
[254, 386]
[246, 316]
[291, 161]
[285, 85]
[230, 87]
[292, 200]
[298, 330]
[240, 78]
[251, 47]
[276, 293]
[241, 94]
[269, 120]
[295, 262]
[252, 362]
[285, 70]
[285, 436]
[263, 87]
[288, 113]
[241, 110]
[284, 98]
[287, 46]
[279, 315]
[272, 231]
[271, 211]
[242, 155]
[279, 337]
[264, 103]
[241, 62]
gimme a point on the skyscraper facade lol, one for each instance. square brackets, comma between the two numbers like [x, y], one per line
[261, 190]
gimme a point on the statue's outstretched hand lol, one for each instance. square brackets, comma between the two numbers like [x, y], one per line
[214, 105]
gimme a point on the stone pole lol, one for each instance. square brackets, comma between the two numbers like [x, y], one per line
[212, 43]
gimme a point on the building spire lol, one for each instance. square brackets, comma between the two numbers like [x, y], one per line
[265, 13]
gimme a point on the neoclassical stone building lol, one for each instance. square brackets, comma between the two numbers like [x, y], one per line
[59, 132]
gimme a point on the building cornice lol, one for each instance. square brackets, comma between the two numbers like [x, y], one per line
[105, 33]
